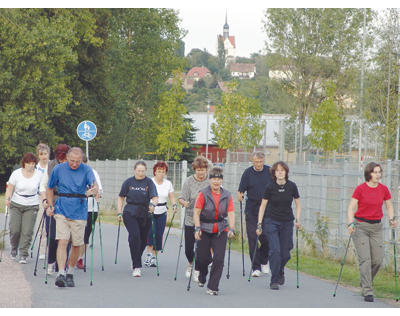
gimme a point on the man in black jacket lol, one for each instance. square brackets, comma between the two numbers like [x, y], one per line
[254, 181]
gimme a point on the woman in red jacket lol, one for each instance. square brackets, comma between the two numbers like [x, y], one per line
[366, 227]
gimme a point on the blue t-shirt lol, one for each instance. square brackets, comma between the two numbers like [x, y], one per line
[69, 180]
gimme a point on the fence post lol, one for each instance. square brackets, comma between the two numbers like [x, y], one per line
[343, 214]
[308, 193]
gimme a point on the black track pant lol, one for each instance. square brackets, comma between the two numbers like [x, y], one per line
[137, 229]
[262, 251]
[189, 245]
[217, 242]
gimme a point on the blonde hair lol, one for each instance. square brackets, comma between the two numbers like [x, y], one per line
[42, 147]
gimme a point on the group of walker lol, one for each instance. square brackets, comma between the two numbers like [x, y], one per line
[209, 219]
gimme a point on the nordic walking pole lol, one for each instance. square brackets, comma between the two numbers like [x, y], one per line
[229, 258]
[46, 256]
[116, 249]
[84, 264]
[4, 233]
[241, 231]
[154, 241]
[180, 243]
[342, 264]
[166, 236]
[91, 250]
[101, 238]
[254, 256]
[396, 291]
[297, 257]
[40, 240]
[193, 265]
[37, 231]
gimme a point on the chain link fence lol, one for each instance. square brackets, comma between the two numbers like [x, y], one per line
[325, 192]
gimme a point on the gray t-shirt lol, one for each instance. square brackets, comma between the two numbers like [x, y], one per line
[190, 190]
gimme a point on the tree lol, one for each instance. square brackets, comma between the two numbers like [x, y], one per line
[327, 123]
[171, 125]
[142, 56]
[238, 121]
[313, 46]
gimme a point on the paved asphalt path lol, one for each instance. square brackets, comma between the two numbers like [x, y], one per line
[115, 287]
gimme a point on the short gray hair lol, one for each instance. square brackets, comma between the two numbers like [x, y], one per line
[76, 150]
[258, 154]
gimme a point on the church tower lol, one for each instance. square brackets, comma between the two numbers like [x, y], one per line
[226, 27]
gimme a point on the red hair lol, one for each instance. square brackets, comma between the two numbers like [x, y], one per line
[61, 151]
[28, 157]
[160, 165]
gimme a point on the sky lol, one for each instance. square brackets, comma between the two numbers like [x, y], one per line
[204, 24]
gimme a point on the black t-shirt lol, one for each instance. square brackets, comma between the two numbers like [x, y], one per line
[255, 183]
[138, 194]
[280, 198]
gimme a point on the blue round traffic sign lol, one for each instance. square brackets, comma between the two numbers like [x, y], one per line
[86, 130]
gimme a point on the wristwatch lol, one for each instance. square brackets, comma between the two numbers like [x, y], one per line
[152, 204]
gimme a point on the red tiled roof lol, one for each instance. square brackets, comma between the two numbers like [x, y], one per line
[198, 72]
[244, 68]
[231, 39]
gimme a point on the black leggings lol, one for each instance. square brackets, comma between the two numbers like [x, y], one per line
[88, 228]
[189, 245]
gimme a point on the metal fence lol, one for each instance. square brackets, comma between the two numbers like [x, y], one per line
[325, 192]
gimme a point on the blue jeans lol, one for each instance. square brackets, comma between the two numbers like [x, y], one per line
[159, 226]
[280, 240]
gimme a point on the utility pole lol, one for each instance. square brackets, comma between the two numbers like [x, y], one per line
[361, 89]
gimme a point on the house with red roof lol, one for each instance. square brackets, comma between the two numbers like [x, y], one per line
[242, 71]
[194, 75]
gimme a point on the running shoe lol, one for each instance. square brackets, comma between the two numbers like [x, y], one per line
[201, 284]
[211, 292]
[22, 260]
[274, 286]
[188, 271]
[147, 260]
[60, 280]
[195, 276]
[69, 280]
[137, 273]
[282, 279]
[256, 273]
[51, 269]
[265, 268]
[369, 298]
[79, 264]
[14, 255]
[153, 262]
[42, 257]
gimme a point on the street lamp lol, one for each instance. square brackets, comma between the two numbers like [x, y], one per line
[208, 112]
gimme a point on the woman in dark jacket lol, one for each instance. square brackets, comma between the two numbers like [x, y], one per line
[213, 214]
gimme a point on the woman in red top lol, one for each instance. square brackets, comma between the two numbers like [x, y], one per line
[366, 227]
[213, 214]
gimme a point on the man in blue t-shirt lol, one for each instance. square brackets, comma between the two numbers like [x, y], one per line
[70, 211]
[254, 181]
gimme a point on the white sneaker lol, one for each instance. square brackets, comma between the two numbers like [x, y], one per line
[195, 276]
[147, 260]
[22, 260]
[51, 269]
[256, 273]
[265, 268]
[137, 272]
[42, 257]
[188, 271]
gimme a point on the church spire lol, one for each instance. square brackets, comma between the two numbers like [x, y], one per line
[226, 26]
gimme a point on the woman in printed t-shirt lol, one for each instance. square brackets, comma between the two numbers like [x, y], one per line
[278, 224]
[165, 190]
[141, 198]
[366, 227]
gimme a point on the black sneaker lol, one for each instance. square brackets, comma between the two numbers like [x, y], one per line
[70, 280]
[369, 298]
[274, 286]
[60, 280]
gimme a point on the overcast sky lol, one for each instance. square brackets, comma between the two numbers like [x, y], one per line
[204, 24]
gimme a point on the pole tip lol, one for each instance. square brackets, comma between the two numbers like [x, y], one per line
[91, 283]
[334, 295]
[297, 286]
[45, 282]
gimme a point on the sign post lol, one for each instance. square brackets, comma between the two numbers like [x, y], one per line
[86, 131]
